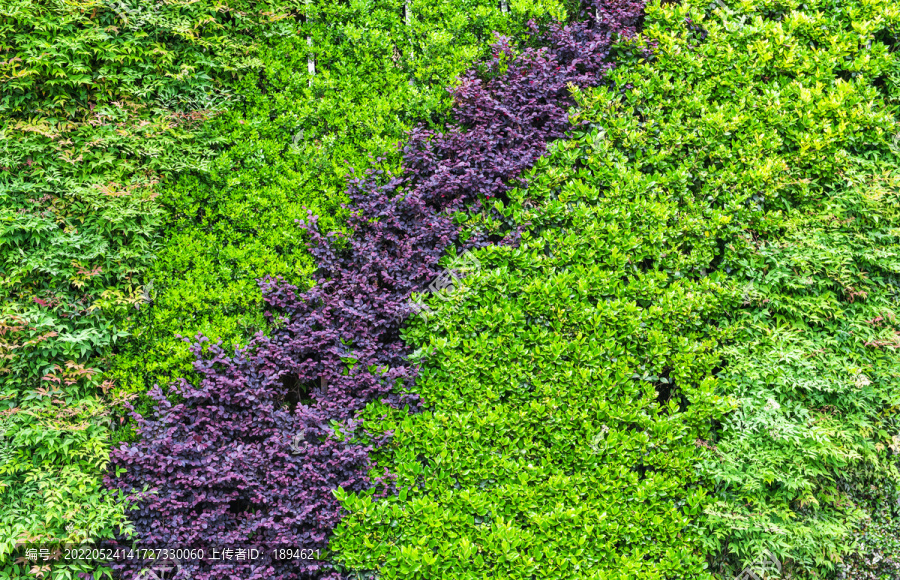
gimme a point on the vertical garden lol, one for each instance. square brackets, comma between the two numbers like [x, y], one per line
[463, 289]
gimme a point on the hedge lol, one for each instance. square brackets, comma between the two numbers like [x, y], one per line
[287, 149]
[676, 355]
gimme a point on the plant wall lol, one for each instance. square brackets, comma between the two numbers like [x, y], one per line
[452, 289]
[255, 449]
[101, 103]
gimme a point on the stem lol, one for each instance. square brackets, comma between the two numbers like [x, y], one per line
[310, 61]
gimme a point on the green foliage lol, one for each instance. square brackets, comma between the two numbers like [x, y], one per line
[99, 102]
[877, 553]
[556, 442]
[691, 357]
[721, 236]
[52, 456]
[815, 369]
[109, 140]
[289, 147]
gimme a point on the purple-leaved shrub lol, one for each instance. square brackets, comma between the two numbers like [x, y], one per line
[220, 464]
[229, 466]
[401, 228]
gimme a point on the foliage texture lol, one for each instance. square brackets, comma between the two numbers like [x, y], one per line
[285, 149]
[99, 103]
[338, 343]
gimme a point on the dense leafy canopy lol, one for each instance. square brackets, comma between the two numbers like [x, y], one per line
[674, 352]
[286, 149]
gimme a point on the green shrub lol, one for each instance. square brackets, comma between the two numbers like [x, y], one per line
[555, 443]
[815, 370]
[107, 143]
[99, 102]
[722, 235]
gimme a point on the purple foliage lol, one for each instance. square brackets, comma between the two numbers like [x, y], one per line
[505, 122]
[220, 462]
[230, 467]
[401, 228]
